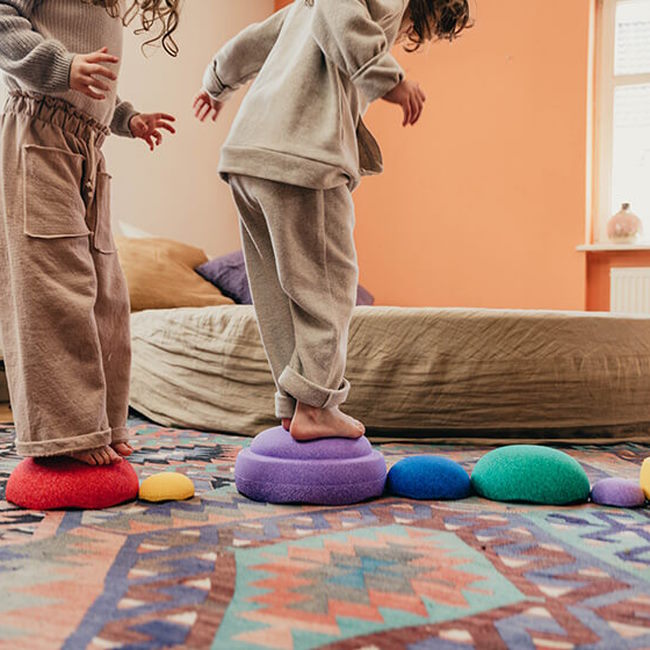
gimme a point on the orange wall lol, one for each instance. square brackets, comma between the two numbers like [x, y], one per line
[484, 201]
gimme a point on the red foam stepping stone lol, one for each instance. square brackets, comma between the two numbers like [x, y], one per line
[60, 483]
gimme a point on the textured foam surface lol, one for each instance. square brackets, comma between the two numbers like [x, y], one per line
[60, 483]
[645, 478]
[531, 474]
[166, 486]
[429, 477]
[331, 471]
[618, 492]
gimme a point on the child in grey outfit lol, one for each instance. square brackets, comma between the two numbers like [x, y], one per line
[296, 150]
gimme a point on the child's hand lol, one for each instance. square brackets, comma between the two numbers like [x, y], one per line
[204, 105]
[84, 71]
[146, 127]
[410, 97]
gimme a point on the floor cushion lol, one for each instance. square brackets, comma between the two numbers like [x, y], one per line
[458, 375]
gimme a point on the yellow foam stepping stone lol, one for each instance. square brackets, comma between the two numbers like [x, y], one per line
[167, 486]
[645, 478]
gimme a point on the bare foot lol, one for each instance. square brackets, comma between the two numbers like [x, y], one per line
[122, 448]
[100, 456]
[310, 423]
[286, 424]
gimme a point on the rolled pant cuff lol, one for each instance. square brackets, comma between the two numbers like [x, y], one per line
[312, 394]
[119, 434]
[285, 406]
[63, 446]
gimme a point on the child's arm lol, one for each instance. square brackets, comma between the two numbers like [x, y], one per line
[239, 60]
[122, 116]
[42, 64]
[353, 39]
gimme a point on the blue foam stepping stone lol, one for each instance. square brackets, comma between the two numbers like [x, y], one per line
[331, 471]
[530, 473]
[619, 492]
[429, 477]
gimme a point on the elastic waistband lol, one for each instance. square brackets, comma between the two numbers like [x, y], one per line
[59, 113]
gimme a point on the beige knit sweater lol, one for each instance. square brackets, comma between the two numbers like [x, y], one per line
[38, 40]
[318, 66]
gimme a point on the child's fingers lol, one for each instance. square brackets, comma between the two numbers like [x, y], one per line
[406, 107]
[415, 109]
[164, 125]
[149, 140]
[101, 57]
[95, 69]
[95, 83]
[157, 135]
[205, 111]
[200, 98]
[87, 90]
[164, 116]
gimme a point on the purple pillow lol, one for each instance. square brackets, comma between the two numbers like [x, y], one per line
[228, 274]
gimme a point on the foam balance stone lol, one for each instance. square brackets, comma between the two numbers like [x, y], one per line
[428, 477]
[63, 483]
[618, 492]
[166, 486]
[331, 471]
[645, 478]
[532, 474]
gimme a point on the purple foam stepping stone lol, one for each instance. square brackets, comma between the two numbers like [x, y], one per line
[331, 471]
[618, 492]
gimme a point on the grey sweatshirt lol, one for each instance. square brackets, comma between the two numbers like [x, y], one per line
[38, 40]
[317, 66]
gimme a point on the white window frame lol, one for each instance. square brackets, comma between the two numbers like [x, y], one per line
[607, 84]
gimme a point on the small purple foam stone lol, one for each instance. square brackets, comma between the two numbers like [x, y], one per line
[331, 471]
[618, 492]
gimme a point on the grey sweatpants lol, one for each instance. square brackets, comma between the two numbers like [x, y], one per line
[64, 306]
[303, 274]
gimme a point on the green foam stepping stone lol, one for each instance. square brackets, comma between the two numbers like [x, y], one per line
[531, 474]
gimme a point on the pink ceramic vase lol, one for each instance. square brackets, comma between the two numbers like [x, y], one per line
[624, 227]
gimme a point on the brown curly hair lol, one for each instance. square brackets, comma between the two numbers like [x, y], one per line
[436, 20]
[165, 13]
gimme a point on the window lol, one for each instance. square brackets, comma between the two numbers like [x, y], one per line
[624, 129]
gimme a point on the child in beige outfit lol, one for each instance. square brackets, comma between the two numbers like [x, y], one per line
[64, 307]
[296, 150]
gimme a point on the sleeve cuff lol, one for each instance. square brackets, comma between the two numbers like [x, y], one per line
[59, 73]
[214, 86]
[379, 76]
[124, 111]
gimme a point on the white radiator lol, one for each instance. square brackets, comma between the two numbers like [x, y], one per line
[630, 290]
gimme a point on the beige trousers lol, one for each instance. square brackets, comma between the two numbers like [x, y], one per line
[64, 307]
[303, 274]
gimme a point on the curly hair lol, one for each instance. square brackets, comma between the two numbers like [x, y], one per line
[436, 20]
[151, 12]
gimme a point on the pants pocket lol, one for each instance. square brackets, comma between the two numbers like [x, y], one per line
[53, 205]
[103, 240]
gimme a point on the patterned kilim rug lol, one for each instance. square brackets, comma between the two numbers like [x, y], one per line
[220, 571]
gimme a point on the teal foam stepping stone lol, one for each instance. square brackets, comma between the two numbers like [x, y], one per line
[428, 477]
[531, 474]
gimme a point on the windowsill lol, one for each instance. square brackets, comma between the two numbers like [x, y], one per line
[608, 247]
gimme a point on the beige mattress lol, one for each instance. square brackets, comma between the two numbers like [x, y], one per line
[434, 374]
